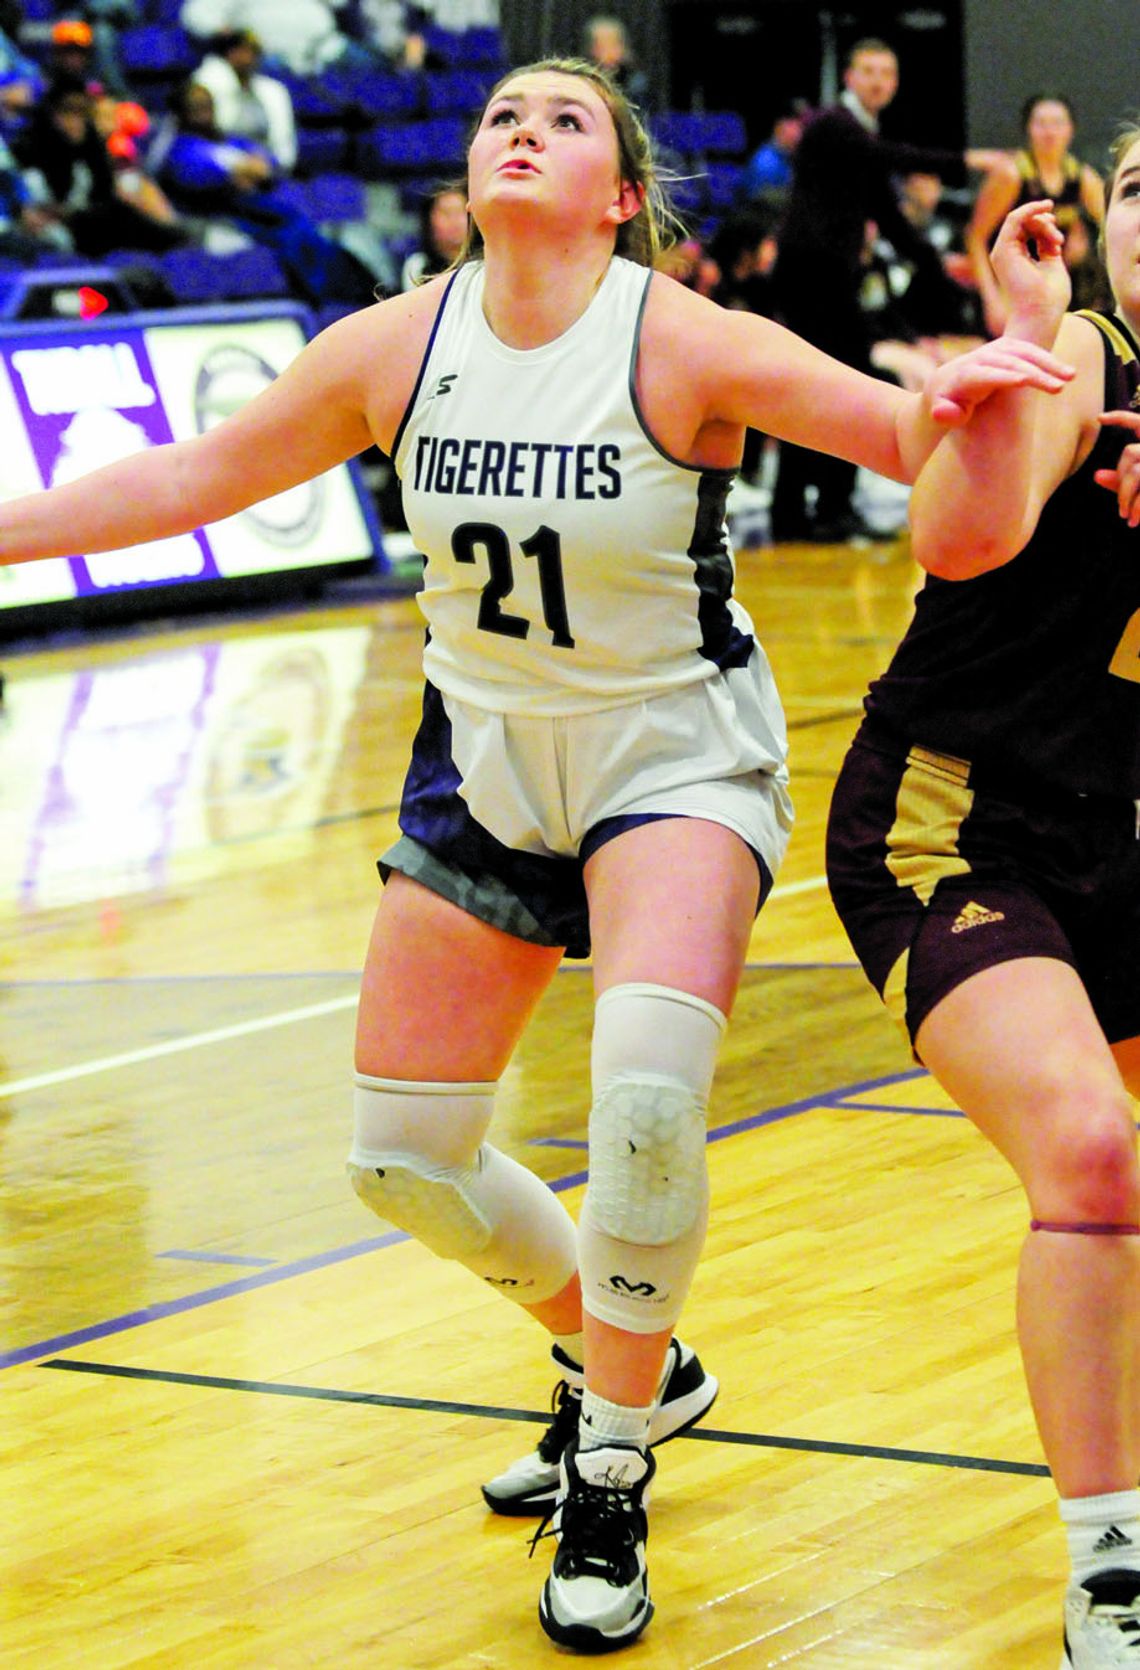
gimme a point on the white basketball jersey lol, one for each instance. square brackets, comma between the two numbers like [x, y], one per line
[571, 563]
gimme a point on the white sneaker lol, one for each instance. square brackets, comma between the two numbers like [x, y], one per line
[530, 1485]
[596, 1598]
[1102, 1622]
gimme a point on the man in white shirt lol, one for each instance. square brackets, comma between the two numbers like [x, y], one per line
[247, 103]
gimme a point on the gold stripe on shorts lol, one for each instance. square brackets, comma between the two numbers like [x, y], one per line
[933, 802]
[894, 991]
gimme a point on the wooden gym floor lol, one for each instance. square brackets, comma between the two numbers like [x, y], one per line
[242, 1424]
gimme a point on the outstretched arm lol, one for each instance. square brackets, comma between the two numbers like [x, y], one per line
[705, 369]
[319, 412]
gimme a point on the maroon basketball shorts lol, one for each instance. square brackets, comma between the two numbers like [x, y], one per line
[936, 876]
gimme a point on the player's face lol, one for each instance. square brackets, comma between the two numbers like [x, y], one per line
[1050, 128]
[1122, 236]
[547, 145]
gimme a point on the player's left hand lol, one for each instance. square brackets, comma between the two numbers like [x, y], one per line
[957, 387]
[1124, 480]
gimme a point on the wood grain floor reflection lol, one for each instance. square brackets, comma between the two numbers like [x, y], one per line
[241, 1425]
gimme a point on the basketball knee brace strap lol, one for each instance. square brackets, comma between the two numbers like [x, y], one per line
[643, 1223]
[418, 1160]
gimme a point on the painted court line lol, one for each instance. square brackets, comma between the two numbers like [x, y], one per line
[176, 1046]
[288, 1017]
[339, 1255]
[707, 1435]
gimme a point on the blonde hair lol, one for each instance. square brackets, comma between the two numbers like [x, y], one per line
[1127, 135]
[655, 226]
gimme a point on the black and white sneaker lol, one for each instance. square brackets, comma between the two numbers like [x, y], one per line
[596, 1598]
[530, 1485]
[1102, 1622]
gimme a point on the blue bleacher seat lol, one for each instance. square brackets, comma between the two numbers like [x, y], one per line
[693, 132]
[156, 50]
[198, 276]
[457, 92]
[335, 197]
[377, 92]
[321, 149]
[475, 48]
[438, 143]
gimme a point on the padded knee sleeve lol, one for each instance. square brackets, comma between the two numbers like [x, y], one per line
[418, 1160]
[643, 1223]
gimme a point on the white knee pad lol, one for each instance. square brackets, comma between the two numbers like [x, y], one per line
[643, 1223]
[418, 1160]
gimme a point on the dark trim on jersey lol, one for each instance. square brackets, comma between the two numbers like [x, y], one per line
[409, 408]
[722, 640]
[702, 469]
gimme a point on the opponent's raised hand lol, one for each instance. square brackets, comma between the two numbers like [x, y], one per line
[1124, 480]
[1028, 261]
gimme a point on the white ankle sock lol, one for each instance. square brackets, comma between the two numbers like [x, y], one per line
[1103, 1532]
[604, 1423]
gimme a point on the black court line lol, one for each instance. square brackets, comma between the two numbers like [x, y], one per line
[435, 1406]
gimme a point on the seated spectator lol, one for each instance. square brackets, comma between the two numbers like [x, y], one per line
[73, 184]
[607, 45]
[689, 262]
[21, 79]
[395, 28]
[25, 229]
[768, 171]
[123, 126]
[247, 104]
[215, 177]
[88, 46]
[938, 300]
[744, 249]
[301, 35]
[443, 228]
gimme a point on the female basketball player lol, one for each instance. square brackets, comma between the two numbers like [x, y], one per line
[984, 854]
[601, 756]
[1045, 167]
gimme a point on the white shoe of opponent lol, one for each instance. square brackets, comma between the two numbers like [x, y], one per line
[1102, 1622]
[530, 1485]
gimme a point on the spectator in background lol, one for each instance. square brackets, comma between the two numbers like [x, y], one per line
[443, 232]
[1044, 167]
[690, 263]
[214, 177]
[767, 174]
[73, 184]
[25, 229]
[842, 178]
[247, 104]
[395, 29]
[606, 44]
[302, 35]
[123, 126]
[21, 79]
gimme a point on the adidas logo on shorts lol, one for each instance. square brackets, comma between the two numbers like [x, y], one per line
[974, 915]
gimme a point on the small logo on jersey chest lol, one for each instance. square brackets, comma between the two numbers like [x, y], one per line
[443, 385]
